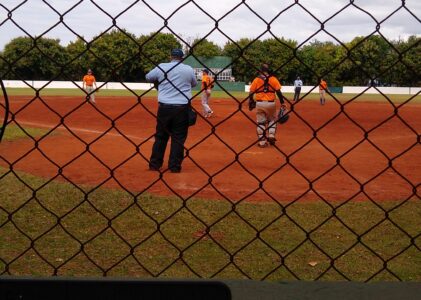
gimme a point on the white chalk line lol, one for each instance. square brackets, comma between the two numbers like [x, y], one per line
[99, 132]
[84, 130]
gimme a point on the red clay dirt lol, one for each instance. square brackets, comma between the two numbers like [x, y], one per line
[313, 157]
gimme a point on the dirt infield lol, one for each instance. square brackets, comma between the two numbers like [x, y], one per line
[223, 161]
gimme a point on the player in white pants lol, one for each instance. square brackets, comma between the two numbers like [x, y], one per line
[207, 85]
[266, 122]
[89, 85]
[263, 92]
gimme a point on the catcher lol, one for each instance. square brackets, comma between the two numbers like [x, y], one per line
[263, 91]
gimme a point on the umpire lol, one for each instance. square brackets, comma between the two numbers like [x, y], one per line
[298, 83]
[174, 81]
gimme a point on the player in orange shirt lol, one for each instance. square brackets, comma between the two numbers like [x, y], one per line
[263, 92]
[322, 91]
[207, 85]
[89, 82]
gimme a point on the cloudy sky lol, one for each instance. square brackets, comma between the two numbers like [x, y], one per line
[235, 19]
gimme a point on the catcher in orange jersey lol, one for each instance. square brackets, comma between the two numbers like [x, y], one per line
[89, 82]
[322, 91]
[263, 92]
[207, 85]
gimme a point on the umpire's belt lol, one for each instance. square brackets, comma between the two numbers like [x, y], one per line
[265, 100]
[172, 105]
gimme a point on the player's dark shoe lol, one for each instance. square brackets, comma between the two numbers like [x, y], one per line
[271, 141]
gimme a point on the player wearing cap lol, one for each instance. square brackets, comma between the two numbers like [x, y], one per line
[322, 91]
[207, 85]
[89, 82]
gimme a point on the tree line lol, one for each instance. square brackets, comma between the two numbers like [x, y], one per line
[121, 56]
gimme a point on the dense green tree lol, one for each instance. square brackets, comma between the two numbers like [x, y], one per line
[407, 70]
[80, 59]
[114, 56]
[369, 57]
[279, 55]
[204, 48]
[156, 48]
[319, 60]
[247, 56]
[120, 56]
[33, 59]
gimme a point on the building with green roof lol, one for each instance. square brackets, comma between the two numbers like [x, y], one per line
[218, 65]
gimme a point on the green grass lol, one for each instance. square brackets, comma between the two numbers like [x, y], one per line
[14, 132]
[88, 231]
[74, 92]
[215, 94]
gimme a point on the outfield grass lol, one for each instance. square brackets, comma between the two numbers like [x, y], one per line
[88, 231]
[215, 94]
[14, 132]
[74, 92]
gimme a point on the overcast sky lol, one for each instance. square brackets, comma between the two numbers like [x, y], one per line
[286, 18]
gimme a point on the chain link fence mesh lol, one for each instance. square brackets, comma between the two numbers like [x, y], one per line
[57, 226]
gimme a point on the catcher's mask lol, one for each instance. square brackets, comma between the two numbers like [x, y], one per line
[283, 116]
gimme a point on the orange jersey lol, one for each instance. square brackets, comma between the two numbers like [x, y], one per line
[258, 85]
[206, 82]
[89, 80]
[322, 85]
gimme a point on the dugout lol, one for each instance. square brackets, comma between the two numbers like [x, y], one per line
[220, 65]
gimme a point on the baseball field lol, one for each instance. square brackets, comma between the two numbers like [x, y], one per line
[321, 145]
[337, 197]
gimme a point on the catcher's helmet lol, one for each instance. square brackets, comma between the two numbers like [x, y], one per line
[283, 116]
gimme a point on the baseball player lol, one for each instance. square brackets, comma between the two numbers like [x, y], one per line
[264, 89]
[322, 91]
[207, 85]
[89, 82]
[297, 88]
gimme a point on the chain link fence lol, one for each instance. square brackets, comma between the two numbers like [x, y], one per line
[57, 224]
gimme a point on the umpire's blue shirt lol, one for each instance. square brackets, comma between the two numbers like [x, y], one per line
[176, 88]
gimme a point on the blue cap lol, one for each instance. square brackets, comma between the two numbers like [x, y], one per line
[177, 53]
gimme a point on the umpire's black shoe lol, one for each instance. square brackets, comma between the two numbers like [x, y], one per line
[175, 170]
[151, 168]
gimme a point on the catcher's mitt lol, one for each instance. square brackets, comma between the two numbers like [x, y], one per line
[252, 104]
[283, 116]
